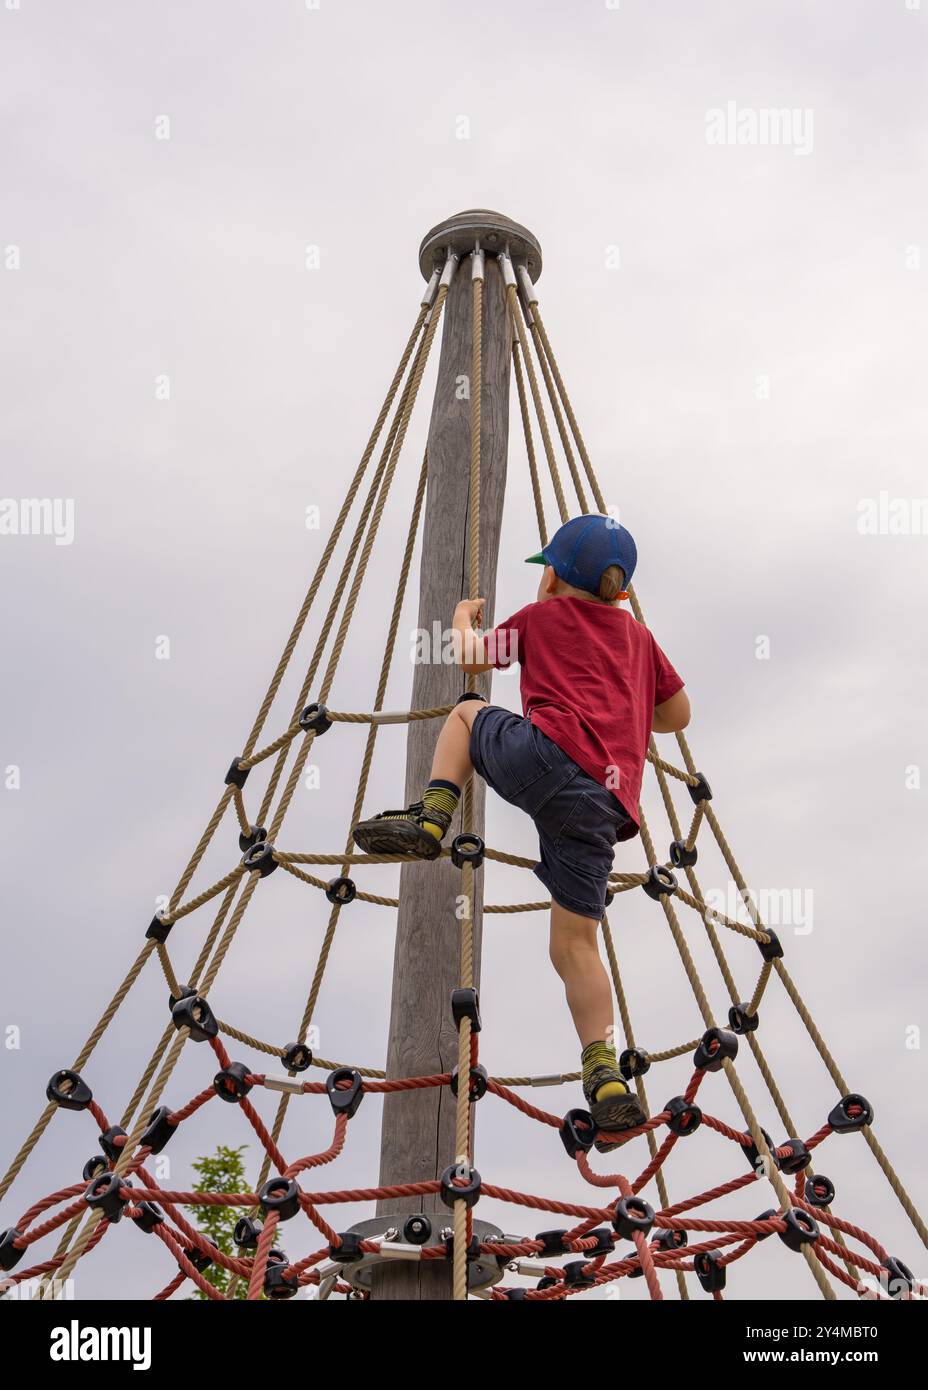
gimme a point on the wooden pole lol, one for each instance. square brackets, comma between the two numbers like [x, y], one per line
[418, 1134]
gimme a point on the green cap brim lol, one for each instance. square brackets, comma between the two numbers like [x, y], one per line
[538, 559]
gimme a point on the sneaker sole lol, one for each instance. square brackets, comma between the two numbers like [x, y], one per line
[617, 1113]
[396, 837]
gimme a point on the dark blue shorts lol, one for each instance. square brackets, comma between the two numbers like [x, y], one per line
[578, 820]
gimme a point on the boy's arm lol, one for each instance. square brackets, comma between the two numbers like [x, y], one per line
[672, 715]
[470, 650]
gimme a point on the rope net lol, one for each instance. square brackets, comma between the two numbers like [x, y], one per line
[618, 1234]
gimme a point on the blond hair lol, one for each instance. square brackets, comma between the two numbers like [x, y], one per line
[611, 584]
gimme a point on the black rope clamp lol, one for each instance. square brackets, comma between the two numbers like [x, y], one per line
[247, 1232]
[577, 1132]
[632, 1216]
[103, 1194]
[148, 1217]
[465, 1003]
[200, 1259]
[94, 1166]
[158, 1130]
[767, 1215]
[820, 1191]
[751, 1152]
[715, 1045]
[670, 1238]
[610, 897]
[297, 1057]
[605, 1242]
[194, 1013]
[850, 1114]
[470, 695]
[709, 1270]
[315, 720]
[279, 1280]
[232, 1082]
[799, 1229]
[552, 1242]
[10, 1254]
[901, 1279]
[261, 858]
[69, 1090]
[514, 1295]
[700, 789]
[467, 849]
[158, 929]
[633, 1062]
[684, 1117]
[477, 1084]
[108, 1142]
[281, 1195]
[341, 891]
[770, 950]
[741, 1020]
[256, 833]
[577, 1275]
[345, 1099]
[236, 776]
[417, 1229]
[460, 1183]
[681, 855]
[473, 1248]
[348, 1248]
[797, 1158]
[659, 882]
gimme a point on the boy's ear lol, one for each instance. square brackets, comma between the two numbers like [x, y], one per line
[550, 579]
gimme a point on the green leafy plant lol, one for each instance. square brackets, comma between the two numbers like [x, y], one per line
[223, 1171]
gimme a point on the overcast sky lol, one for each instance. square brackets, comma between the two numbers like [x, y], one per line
[742, 328]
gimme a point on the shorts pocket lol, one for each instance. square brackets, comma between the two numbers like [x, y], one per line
[589, 833]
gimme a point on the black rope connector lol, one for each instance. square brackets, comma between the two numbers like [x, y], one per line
[194, 1013]
[465, 1003]
[605, 1242]
[901, 1279]
[158, 929]
[103, 1194]
[256, 833]
[799, 1228]
[10, 1254]
[633, 1062]
[460, 1183]
[659, 882]
[577, 1132]
[247, 1232]
[751, 1152]
[158, 1130]
[700, 789]
[341, 891]
[348, 1248]
[237, 776]
[297, 1057]
[344, 1099]
[477, 1084]
[281, 1195]
[796, 1160]
[148, 1217]
[577, 1275]
[200, 1259]
[467, 849]
[417, 1229]
[670, 1238]
[820, 1191]
[850, 1114]
[684, 1118]
[547, 1281]
[470, 695]
[260, 858]
[552, 1242]
[770, 950]
[69, 1091]
[709, 1270]
[741, 1020]
[279, 1280]
[767, 1215]
[94, 1166]
[315, 719]
[632, 1216]
[514, 1295]
[232, 1082]
[473, 1248]
[715, 1045]
[610, 897]
[108, 1142]
[681, 855]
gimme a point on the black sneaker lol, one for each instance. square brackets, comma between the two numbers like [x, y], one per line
[615, 1112]
[403, 832]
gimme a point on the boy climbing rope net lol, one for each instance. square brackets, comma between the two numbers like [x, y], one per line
[594, 684]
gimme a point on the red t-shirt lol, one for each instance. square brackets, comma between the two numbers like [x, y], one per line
[591, 676]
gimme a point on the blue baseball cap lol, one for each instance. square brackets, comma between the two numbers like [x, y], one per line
[584, 547]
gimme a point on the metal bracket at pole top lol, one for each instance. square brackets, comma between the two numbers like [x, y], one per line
[430, 291]
[447, 275]
[477, 263]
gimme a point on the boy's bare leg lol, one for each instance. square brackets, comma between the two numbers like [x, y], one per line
[451, 761]
[574, 951]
